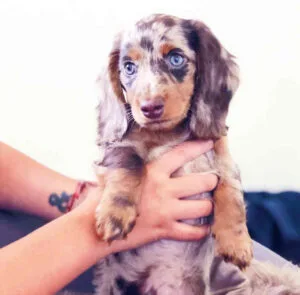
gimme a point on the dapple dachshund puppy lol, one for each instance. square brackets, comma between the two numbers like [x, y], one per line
[169, 80]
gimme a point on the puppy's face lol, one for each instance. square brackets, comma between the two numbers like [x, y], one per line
[157, 70]
[166, 68]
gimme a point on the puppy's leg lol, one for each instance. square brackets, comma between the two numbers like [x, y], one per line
[117, 210]
[232, 238]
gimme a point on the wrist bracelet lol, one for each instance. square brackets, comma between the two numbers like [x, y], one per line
[80, 188]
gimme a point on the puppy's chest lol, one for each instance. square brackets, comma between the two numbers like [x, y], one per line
[152, 148]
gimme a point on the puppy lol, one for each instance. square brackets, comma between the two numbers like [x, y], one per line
[169, 80]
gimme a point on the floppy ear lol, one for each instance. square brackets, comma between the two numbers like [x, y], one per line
[112, 115]
[216, 80]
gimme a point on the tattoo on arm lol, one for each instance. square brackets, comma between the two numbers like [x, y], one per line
[60, 201]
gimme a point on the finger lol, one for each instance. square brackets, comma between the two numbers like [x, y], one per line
[181, 154]
[190, 209]
[192, 184]
[183, 232]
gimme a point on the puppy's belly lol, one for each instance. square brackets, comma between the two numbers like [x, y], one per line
[163, 267]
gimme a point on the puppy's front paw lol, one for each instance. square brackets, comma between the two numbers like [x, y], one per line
[115, 219]
[235, 247]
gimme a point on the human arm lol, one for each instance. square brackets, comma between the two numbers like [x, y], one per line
[53, 255]
[26, 185]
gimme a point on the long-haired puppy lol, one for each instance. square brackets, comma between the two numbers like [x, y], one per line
[169, 80]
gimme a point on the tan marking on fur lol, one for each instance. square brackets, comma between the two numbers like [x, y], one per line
[134, 54]
[177, 99]
[232, 238]
[166, 48]
[118, 182]
[114, 74]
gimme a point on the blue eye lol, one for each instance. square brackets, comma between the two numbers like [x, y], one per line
[130, 68]
[176, 59]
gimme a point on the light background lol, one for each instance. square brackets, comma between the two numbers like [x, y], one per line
[52, 51]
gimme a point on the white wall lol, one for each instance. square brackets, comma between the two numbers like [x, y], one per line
[51, 52]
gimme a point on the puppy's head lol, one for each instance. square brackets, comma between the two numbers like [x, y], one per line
[169, 70]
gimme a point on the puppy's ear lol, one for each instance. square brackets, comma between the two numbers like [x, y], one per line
[216, 80]
[112, 115]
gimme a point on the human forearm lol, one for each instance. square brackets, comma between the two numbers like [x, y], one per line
[47, 259]
[27, 185]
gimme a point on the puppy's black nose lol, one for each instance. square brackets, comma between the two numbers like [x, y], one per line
[152, 109]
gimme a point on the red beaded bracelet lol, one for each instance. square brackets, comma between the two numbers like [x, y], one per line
[81, 186]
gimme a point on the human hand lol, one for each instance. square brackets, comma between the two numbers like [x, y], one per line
[160, 206]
